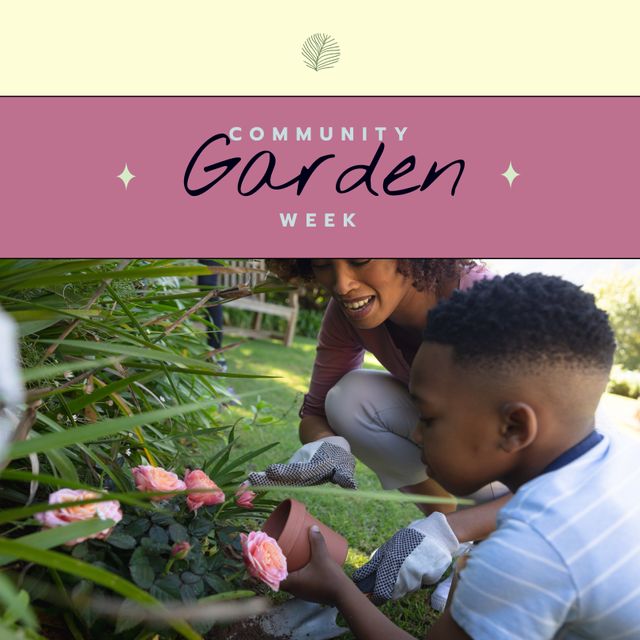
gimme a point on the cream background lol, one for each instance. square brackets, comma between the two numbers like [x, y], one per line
[207, 47]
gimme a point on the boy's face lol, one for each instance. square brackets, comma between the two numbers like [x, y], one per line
[460, 422]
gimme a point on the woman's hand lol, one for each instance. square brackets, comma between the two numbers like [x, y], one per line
[322, 580]
[325, 460]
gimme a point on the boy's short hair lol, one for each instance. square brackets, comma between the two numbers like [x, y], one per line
[525, 321]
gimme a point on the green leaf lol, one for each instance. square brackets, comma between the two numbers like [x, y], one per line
[85, 450]
[203, 372]
[320, 51]
[27, 327]
[158, 561]
[215, 562]
[61, 463]
[228, 595]
[23, 315]
[129, 616]
[41, 281]
[177, 532]
[189, 578]
[131, 498]
[101, 429]
[16, 604]
[159, 535]
[166, 587]
[197, 563]
[192, 590]
[226, 533]
[217, 583]
[162, 519]
[121, 350]
[242, 459]
[200, 527]
[121, 540]
[142, 575]
[20, 513]
[80, 551]
[53, 370]
[49, 538]
[217, 462]
[140, 568]
[77, 404]
[138, 527]
[154, 548]
[382, 496]
[34, 320]
[62, 562]
[24, 269]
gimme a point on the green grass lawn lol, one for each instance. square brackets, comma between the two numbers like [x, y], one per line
[366, 524]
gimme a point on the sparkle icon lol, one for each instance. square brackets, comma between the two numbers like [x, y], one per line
[510, 174]
[126, 176]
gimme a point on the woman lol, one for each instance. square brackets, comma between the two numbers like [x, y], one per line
[378, 305]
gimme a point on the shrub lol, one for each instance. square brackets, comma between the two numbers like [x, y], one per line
[308, 324]
[624, 383]
[619, 296]
[118, 375]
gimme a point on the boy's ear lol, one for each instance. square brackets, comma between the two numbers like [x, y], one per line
[519, 426]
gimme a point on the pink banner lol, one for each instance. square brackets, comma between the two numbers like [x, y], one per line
[385, 176]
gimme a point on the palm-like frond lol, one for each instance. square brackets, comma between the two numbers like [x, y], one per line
[320, 51]
[151, 396]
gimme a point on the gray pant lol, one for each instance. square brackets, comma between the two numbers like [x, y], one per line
[372, 410]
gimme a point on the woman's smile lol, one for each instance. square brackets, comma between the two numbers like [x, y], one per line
[369, 290]
[357, 307]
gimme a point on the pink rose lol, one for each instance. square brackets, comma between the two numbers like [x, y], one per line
[244, 498]
[148, 478]
[264, 558]
[108, 510]
[180, 550]
[198, 479]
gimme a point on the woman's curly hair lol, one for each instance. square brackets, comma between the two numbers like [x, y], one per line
[427, 273]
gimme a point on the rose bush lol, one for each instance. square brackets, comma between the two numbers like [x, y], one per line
[118, 377]
[192, 542]
[108, 510]
[149, 478]
[198, 479]
[264, 558]
[245, 498]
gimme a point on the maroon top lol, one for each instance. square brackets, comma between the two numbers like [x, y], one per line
[341, 348]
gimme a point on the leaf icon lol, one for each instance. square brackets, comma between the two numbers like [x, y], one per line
[320, 51]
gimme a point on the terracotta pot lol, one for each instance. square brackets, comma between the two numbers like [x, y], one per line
[289, 525]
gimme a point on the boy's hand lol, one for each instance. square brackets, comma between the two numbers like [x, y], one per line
[325, 460]
[322, 579]
[416, 555]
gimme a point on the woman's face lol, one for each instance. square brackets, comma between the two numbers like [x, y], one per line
[369, 290]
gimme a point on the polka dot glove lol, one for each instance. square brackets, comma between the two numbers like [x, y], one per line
[416, 555]
[326, 460]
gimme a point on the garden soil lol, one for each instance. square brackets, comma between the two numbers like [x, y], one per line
[243, 630]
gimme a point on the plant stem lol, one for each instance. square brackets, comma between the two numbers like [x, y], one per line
[168, 566]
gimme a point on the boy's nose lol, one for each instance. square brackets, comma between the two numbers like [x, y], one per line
[416, 434]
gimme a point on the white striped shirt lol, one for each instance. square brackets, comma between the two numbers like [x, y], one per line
[564, 561]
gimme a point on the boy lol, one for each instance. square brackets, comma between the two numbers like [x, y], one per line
[506, 383]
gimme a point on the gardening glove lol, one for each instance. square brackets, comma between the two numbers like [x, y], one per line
[325, 460]
[416, 555]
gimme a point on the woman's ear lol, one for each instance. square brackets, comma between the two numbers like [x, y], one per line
[519, 426]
